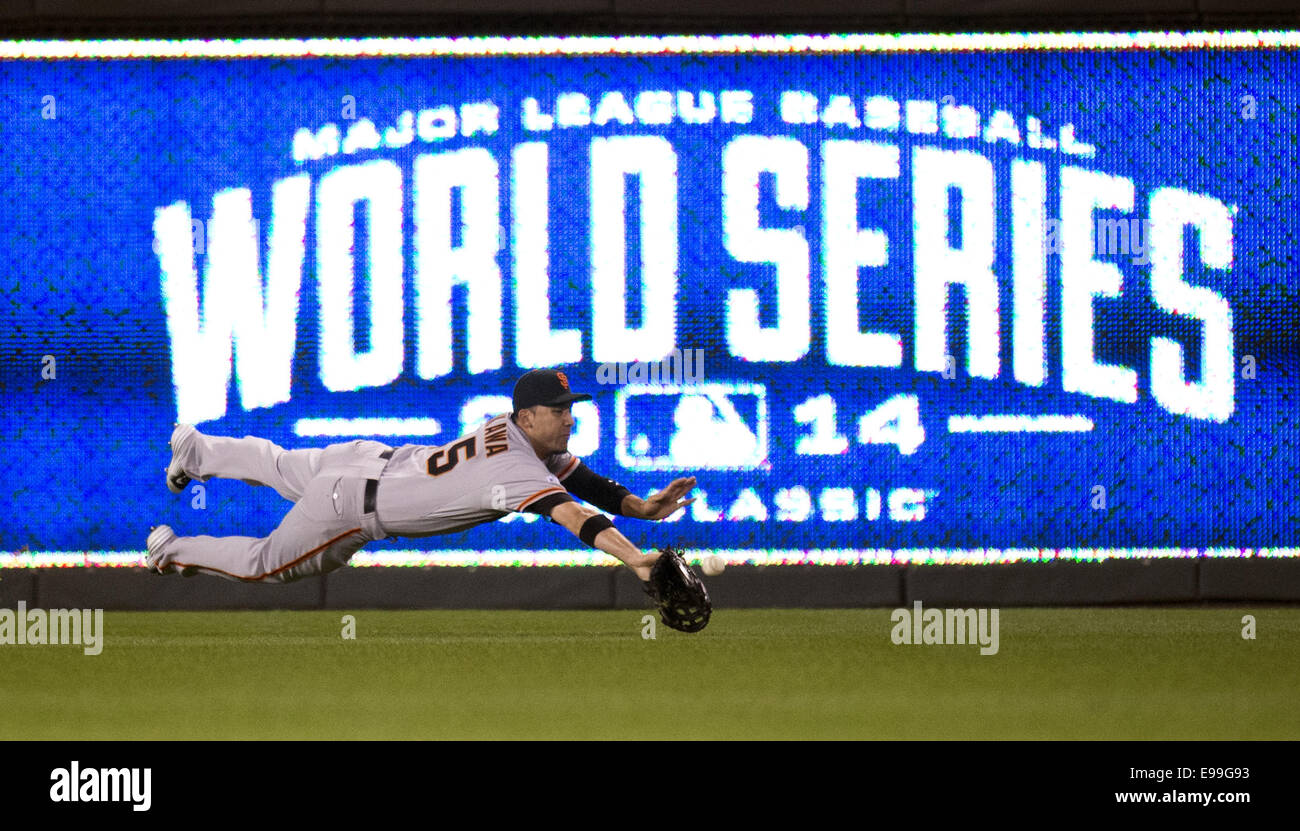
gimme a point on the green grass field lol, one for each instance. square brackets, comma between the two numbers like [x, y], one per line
[1145, 673]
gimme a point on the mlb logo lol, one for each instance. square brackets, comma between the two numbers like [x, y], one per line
[692, 427]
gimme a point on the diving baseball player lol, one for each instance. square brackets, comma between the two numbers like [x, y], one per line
[348, 494]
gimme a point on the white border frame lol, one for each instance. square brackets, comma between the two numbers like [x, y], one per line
[642, 45]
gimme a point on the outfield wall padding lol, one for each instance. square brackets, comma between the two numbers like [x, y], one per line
[470, 588]
[17, 584]
[1022, 584]
[138, 589]
[1054, 584]
[1259, 579]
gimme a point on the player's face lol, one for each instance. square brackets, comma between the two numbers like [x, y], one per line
[561, 419]
[551, 427]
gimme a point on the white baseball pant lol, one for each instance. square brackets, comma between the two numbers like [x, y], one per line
[326, 526]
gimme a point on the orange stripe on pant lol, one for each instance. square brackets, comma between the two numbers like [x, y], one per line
[261, 577]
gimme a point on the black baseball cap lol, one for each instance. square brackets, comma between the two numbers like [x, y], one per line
[547, 387]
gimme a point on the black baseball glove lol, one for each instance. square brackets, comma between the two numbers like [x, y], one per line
[680, 595]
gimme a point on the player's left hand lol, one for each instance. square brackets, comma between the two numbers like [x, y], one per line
[666, 502]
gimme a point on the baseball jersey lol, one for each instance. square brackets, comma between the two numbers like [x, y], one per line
[478, 478]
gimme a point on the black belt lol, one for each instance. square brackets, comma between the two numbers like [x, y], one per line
[372, 487]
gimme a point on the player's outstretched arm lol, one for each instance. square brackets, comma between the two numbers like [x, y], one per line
[613, 498]
[574, 516]
[661, 505]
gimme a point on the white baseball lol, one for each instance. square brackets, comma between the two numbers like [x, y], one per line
[713, 565]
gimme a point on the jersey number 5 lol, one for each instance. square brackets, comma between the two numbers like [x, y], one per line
[437, 466]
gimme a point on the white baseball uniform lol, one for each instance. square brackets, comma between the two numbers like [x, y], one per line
[351, 493]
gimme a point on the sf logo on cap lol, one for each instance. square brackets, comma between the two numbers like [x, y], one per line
[563, 380]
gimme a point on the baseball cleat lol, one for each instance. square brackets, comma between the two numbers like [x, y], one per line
[177, 478]
[159, 537]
